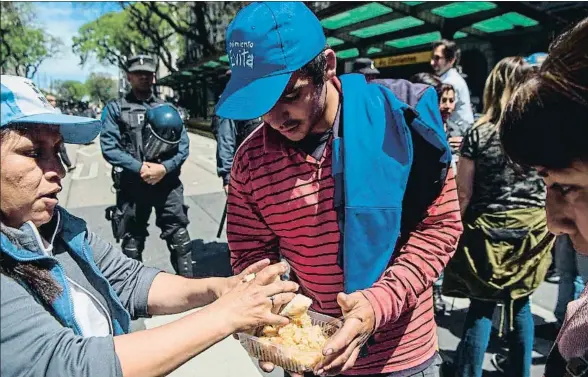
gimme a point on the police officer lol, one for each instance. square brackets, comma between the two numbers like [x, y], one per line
[229, 134]
[147, 176]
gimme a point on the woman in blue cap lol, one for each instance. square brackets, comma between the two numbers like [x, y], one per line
[68, 296]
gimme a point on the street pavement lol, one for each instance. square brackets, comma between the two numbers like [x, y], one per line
[87, 192]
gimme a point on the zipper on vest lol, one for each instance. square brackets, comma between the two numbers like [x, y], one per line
[93, 298]
[73, 312]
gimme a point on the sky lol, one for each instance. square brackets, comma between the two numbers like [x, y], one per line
[63, 19]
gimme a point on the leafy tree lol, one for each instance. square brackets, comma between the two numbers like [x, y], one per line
[70, 90]
[24, 45]
[110, 39]
[165, 30]
[202, 24]
[161, 37]
[101, 87]
[116, 36]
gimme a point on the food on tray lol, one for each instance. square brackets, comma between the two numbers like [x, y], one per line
[304, 340]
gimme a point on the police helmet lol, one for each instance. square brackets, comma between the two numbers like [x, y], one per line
[163, 130]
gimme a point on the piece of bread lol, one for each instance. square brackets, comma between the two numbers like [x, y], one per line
[297, 307]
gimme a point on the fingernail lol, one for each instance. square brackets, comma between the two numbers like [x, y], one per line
[321, 372]
[328, 352]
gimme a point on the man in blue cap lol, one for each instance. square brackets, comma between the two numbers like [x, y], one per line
[347, 183]
[145, 181]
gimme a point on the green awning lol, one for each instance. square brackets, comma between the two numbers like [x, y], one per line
[507, 21]
[332, 41]
[353, 16]
[459, 9]
[349, 53]
[387, 27]
[415, 40]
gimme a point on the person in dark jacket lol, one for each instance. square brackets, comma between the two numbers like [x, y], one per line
[68, 296]
[146, 183]
[366, 67]
[229, 134]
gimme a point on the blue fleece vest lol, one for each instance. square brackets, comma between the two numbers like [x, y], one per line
[74, 233]
[371, 164]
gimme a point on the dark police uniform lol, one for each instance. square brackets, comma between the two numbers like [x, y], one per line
[121, 141]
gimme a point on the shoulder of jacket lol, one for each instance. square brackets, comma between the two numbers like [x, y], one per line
[245, 150]
[113, 105]
[72, 225]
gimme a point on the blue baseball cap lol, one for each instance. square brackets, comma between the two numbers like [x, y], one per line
[536, 58]
[23, 102]
[266, 43]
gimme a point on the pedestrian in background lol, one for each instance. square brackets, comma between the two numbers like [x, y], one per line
[504, 252]
[573, 271]
[229, 134]
[445, 61]
[366, 67]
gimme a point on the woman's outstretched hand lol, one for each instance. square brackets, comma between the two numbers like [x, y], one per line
[249, 303]
[231, 282]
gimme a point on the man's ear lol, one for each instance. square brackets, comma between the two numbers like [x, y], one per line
[331, 69]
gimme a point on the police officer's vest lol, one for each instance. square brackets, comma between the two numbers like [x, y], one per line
[132, 123]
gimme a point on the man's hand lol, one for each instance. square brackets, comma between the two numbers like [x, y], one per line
[152, 173]
[342, 350]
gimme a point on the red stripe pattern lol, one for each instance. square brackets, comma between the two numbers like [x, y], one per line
[281, 204]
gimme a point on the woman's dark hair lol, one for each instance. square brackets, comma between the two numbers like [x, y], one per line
[36, 277]
[315, 69]
[545, 123]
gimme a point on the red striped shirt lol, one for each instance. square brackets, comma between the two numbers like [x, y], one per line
[281, 203]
